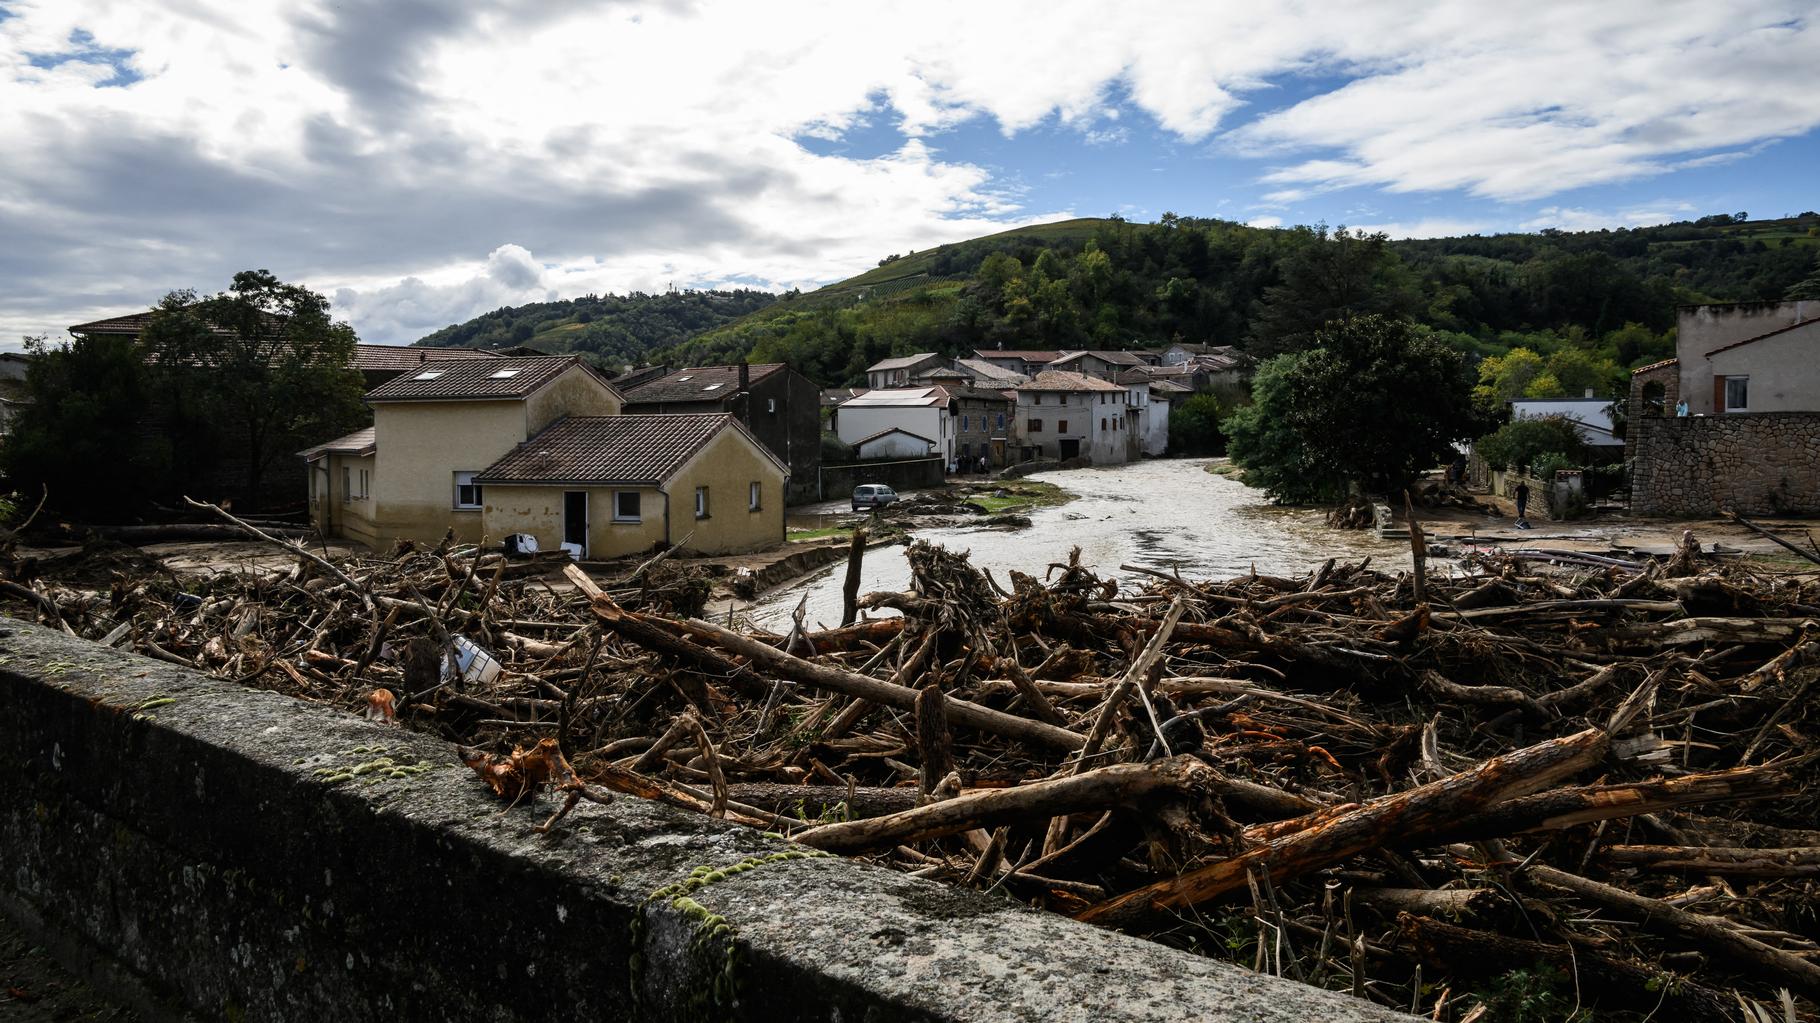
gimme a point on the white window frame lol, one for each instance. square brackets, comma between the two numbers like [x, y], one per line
[701, 502]
[468, 481]
[366, 484]
[1744, 381]
[620, 516]
[753, 494]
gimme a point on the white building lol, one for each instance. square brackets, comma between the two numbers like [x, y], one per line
[1164, 396]
[1591, 416]
[918, 411]
[897, 372]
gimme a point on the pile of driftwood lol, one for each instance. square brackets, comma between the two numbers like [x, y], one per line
[1531, 791]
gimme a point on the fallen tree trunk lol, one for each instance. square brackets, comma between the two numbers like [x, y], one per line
[1799, 862]
[1564, 808]
[1296, 846]
[1121, 785]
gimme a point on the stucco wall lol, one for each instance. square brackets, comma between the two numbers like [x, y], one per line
[1702, 329]
[421, 447]
[893, 445]
[1784, 370]
[352, 520]
[726, 466]
[575, 393]
[854, 423]
[538, 511]
[1751, 463]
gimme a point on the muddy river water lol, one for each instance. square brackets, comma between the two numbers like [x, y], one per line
[1165, 514]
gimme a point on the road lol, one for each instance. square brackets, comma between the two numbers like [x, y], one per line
[1161, 514]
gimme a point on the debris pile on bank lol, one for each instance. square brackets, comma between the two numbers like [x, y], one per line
[1558, 784]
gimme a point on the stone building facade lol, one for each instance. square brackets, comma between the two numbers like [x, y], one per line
[1757, 463]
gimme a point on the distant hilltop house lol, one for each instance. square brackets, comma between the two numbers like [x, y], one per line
[778, 405]
[1732, 422]
[538, 445]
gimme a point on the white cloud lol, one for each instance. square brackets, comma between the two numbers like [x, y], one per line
[369, 147]
[1574, 218]
[1427, 227]
[1264, 222]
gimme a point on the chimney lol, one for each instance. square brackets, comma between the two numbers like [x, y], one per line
[745, 375]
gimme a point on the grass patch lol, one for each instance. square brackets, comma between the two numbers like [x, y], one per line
[1229, 469]
[795, 535]
[1020, 495]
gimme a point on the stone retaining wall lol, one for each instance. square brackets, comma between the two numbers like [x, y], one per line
[1765, 463]
[238, 855]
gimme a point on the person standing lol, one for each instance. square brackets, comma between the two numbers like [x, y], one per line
[1522, 496]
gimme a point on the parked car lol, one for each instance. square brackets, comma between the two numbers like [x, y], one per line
[872, 495]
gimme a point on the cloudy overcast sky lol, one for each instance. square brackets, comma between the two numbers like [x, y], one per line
[421, 161]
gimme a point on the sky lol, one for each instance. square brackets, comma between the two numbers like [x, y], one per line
[423, 161]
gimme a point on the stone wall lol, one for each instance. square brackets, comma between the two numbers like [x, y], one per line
[838, 481]
[1753, 463]
[210, 851]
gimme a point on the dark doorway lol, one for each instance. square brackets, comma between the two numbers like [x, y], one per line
[575, 518]
[1070, 449]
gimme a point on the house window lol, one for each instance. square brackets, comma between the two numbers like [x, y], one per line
[467, 492]
[966, 424]
[1001, 420]
[1737, 394]
[1038, 401]
[771, 405]
[1061, 426]
[366, 478]
[701, 502]
[1036, 426]
[625, 506]
[1102, 422]
[752, 495]
[347, 484]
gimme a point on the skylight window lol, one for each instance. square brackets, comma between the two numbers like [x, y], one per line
[681, 380]
[428, 374]
[506, 374]
[711, 387]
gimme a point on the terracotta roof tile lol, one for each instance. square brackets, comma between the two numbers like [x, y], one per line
[901, 362]
[381, 358]
[1056, 380]
[1654, 365]
[585, 450]
[360, 442]
[698, 383]
[474, 379]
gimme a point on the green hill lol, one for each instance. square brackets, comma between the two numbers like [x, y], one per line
[614, 329]
[1109, 283]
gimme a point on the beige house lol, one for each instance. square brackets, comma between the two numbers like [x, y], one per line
[411, 474]
[618, 485]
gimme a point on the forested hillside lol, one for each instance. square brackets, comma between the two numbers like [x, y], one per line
[1561, 310]
[616, 328]
[1605, 297]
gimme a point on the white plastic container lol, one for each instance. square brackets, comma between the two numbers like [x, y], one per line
[475, 664]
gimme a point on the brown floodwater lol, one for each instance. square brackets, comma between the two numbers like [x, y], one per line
[1168, 514]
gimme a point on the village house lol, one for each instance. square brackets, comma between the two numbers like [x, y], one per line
[1104, 365]
[780, 407]
[610, 486]
[1732, 422]
[982, 425]
[1070, 415]
[412, 473]
[981, 373]
[900, 371]
[1024, 363]
[921, 412]
[893, 443]
[1165, 395]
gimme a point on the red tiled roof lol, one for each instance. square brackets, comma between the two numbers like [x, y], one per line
[1654, 365]
[698, 383]
[1759, 337]
[382, 358]
[1056, 380]
[585, 450]
[132, 323]
[1112, 358]
[475, 379]
[1023, 356]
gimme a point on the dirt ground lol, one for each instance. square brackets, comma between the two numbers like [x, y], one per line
[1615, 532]
[35, 989]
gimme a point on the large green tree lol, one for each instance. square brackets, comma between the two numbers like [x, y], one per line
[251, 376]
[80, 436]
[1370, 404]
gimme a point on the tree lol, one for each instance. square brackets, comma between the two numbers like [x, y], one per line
[1327, 278]
[1194, 425]
[1370, 405]
[1521, 442]
[253, 374]
[81, 436]
[1506, 378]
